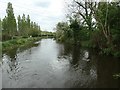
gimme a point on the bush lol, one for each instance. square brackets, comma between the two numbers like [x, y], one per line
[108, 51]
[117, 54]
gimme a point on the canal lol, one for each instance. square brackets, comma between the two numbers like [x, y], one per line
[48, 64]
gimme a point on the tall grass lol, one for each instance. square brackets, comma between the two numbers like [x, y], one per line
[18, 42]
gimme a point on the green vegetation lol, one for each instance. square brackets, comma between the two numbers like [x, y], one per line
[48, 34]
[10, 44]
[22, 27]
[16, 33]
[92, 24]
[28, 28]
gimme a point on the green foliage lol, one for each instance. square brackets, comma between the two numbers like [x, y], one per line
[24, 27]
[107, 51]
[10, 20]
[63, 31]
[73, 31]
[103, 33]
[47, 34]
[116, 54]
[7, 45]
[28, 28]
[74, 25]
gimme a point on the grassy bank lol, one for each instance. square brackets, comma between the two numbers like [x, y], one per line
[8, 45]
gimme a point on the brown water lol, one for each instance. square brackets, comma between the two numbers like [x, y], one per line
[47, 64]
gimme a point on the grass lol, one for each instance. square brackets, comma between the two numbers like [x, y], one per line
[7, 45]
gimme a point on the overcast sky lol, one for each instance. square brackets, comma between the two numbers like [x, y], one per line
[44, 12]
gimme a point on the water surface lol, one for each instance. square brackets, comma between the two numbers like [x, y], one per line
[48, 64]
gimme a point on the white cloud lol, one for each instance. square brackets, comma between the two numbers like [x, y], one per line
[45, 12]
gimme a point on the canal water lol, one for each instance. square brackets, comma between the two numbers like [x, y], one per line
[48, 64]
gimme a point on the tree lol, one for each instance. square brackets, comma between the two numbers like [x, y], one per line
[107, 17]
[25, 27]
[114, 22]
[28, 21]
[82, 10]
[24, 33]
[19, 25]
[11, 21]
[74, 25]
[5, 32]
[28, 24]
[62, 31]
[101, 16]
[4, 24]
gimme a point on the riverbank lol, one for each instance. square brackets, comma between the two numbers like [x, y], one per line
[10, 44]
[36, 66]
[107, 51]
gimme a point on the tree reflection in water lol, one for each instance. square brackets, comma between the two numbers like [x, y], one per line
[13, 60]
[72, 65]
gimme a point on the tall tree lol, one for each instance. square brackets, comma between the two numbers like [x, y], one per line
[75, 26]
[5, 32]
[81, 9]
[23, 25]
[28, 24]
[11, 21]
[63, 31]
[28, 21]
[105, 14]
[19, 25]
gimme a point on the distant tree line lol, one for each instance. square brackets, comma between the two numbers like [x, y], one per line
[23, 26]
[98, 23]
